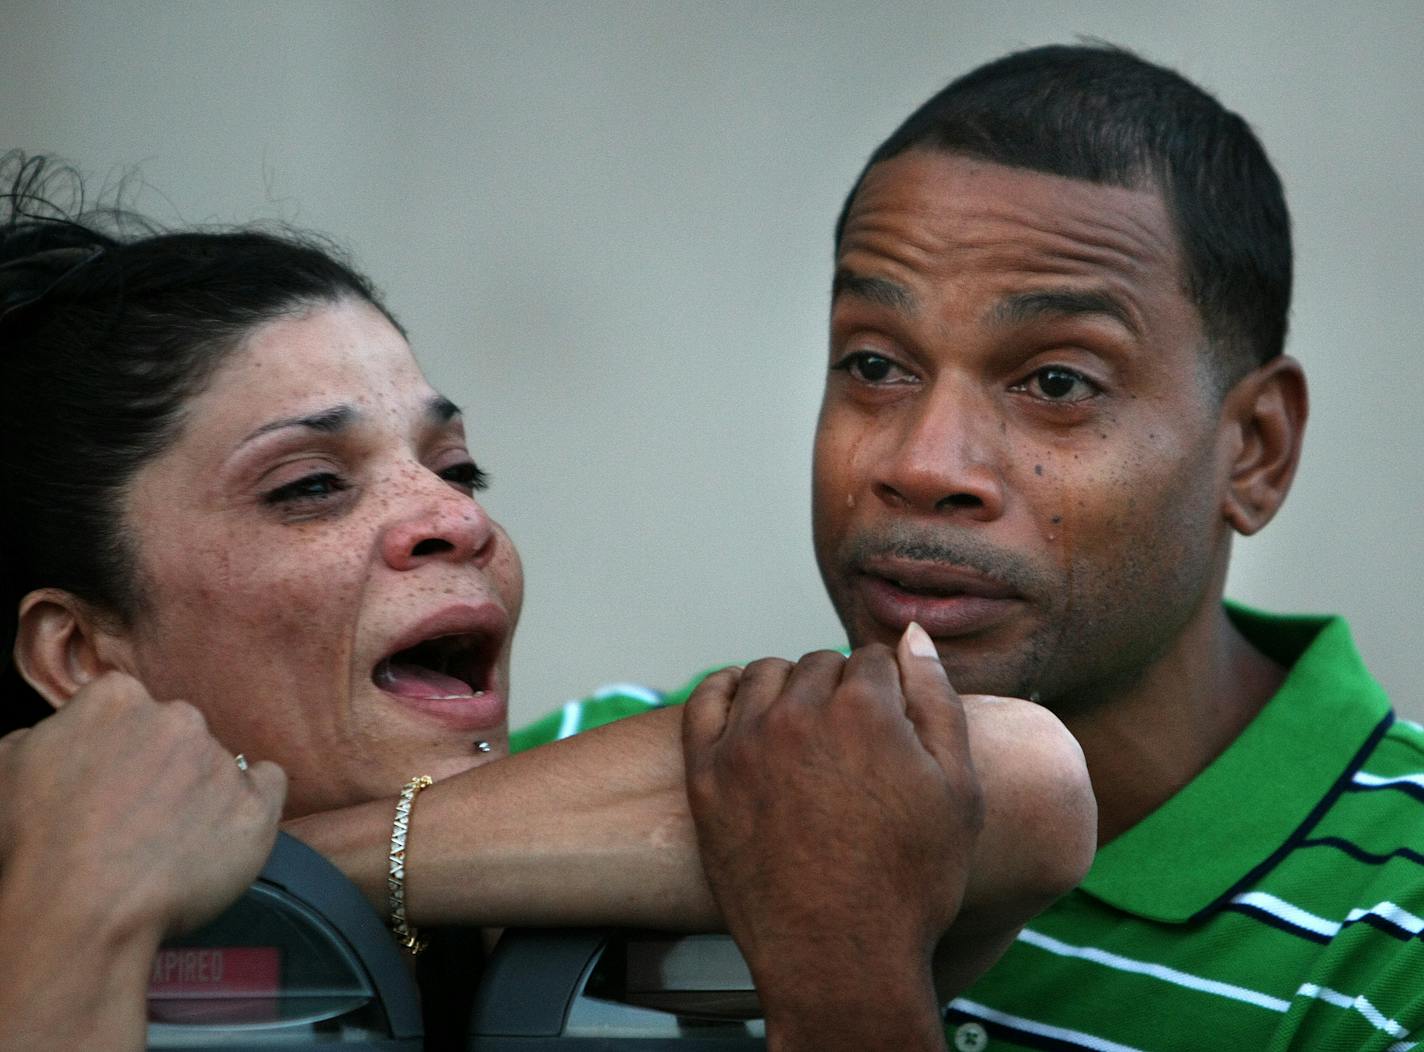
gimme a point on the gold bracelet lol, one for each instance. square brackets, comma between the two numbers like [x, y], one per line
[405, 934]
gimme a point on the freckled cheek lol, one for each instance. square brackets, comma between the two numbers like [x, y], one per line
[284, 611]
[508, 573]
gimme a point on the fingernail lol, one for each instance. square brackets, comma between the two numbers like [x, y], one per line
[921, 645]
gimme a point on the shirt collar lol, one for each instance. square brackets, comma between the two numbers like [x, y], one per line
[1229, 820]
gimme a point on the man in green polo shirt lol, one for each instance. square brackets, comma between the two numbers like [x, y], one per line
[1056, 390]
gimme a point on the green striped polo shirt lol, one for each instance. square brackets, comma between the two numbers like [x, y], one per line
[1276, 902]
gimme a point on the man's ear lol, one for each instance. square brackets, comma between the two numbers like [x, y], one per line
[1263, 418]
[62, 643]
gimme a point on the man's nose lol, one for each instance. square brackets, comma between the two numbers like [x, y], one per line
[946, 458]
[440, 523]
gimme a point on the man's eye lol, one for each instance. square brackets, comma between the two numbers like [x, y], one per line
[314, 487]
[1053, 383]
[870, 368]
[467, 476]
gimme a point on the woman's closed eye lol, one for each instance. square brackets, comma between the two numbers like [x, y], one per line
[467, 476]
[313, 488]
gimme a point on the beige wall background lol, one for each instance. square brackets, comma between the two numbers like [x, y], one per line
[607, 226]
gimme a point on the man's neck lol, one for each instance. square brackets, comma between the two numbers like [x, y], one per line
[1155, 735]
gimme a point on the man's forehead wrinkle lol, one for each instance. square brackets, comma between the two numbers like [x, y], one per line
[886, 251]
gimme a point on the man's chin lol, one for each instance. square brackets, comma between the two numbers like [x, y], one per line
[974, 664]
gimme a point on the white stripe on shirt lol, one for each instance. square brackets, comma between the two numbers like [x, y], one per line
[1032, 1026]
[571, 720]
[1375, 781]
[636, 691]
[1155, 971]
[1292, 915]
[1396, 915]
[1360, 1004]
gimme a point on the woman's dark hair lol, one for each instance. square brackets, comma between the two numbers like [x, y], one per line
[1102, 114]
[108, 327]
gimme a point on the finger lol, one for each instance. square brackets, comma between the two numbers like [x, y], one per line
[704, 714]
[269, 782]
[815, 677]
[875, 670]
[930, 702]
[760, 686]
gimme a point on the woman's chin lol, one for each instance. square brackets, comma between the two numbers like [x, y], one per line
[447, 765]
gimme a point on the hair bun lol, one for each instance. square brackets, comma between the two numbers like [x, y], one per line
[30, 278]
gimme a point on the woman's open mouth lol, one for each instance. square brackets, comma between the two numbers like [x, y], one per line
[448, 672]
[441, 669]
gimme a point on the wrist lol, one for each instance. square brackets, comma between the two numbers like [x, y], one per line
[829, 1002]
[72, 974]
[871, 1016]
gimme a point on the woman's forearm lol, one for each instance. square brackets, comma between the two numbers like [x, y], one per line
[596, 830]
[589, 830]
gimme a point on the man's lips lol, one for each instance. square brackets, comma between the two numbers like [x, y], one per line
[946, 600]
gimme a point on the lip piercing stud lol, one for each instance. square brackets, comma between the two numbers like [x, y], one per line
[482, 746]
[241, 762]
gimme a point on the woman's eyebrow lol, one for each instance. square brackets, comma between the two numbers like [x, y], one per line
[328, 421]
[441, 409]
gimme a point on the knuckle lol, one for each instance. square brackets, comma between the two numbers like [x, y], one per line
[822, 657]
[858, 694]
[117, 688]
[720, 682]
[186, 718]
[877, 651]
[764, 668]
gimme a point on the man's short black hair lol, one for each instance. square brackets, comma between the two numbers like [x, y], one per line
[1100, 113]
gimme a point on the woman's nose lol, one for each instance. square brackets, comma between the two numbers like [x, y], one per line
[443, 523]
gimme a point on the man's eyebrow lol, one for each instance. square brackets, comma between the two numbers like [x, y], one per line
[882, 291]
[1046, 303]
[327, 421]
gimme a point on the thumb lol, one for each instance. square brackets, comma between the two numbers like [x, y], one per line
[930, 702]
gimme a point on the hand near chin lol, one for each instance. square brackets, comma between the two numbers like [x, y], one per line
[837, 810]
[127, 815]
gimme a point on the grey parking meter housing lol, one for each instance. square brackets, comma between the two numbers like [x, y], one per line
[592, 990]
[300, 960]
